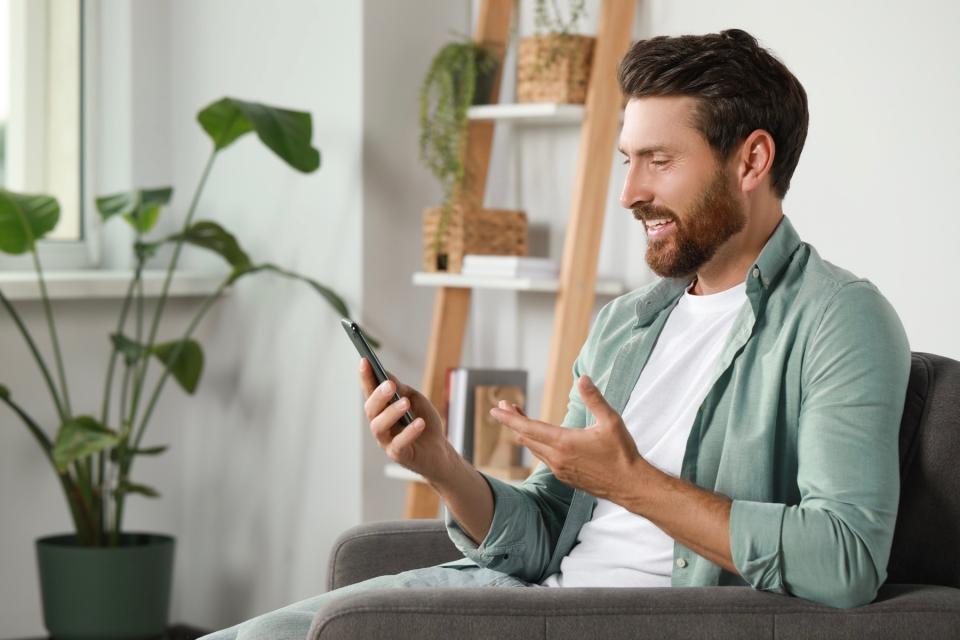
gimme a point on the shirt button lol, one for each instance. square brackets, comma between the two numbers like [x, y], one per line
[756, 272]
[681, 563]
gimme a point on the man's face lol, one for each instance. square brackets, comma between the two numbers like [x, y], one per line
[675, 186]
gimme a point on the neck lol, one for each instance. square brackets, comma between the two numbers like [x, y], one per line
[729, 265]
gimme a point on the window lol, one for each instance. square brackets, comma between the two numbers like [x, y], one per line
[42, 131]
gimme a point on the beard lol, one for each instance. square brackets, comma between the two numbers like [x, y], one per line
[697, 234]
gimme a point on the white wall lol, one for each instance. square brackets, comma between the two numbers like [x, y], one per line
[271, 472]
[399, 40]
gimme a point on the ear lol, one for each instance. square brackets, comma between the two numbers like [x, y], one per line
[754, 160]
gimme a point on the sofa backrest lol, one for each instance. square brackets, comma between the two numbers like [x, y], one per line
[926, 542]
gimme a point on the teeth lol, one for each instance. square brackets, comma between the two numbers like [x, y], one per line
[654, 224]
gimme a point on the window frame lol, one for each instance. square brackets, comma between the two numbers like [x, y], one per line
[32, 19]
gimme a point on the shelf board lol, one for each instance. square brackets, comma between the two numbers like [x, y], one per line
[106, 283]
[605, 287]
[529, 113]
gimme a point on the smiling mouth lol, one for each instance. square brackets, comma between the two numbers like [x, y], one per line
[658, 226]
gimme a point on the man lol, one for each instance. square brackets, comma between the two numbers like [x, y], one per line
[734, 423]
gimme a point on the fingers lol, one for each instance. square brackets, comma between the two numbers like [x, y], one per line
[404, 439]
[380, 398]
[367, 381]
[593, 398]
[381, 424]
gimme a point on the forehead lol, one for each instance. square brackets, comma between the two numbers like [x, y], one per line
[665, 121]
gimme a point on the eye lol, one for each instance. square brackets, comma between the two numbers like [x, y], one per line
[626, 161]
[659, 163]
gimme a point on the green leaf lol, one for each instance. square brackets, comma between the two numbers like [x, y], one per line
[140, 208]
[81, 437]
[212, 236]
[145, 250]
[4, 392]
[185, 367]
[149, 451]
[24, 219]
[131, 487]
[131, 350]
[287, 133]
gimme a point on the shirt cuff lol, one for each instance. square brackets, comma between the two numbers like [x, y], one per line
[503, 535]
[755, 543]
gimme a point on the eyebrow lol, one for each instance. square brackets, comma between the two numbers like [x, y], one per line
[645, 151]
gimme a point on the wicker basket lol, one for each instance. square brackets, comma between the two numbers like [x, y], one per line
[483, 231]
[554, 68]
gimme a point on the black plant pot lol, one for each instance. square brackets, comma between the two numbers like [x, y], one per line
[106, 593]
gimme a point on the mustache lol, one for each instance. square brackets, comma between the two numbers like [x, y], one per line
[649, 211]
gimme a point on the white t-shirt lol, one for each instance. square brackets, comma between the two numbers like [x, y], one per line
[617, 548]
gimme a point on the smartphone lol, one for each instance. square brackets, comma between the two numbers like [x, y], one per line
[364, 349]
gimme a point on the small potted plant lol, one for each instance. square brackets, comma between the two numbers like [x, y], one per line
[101, 581]
[460, 75]
[553, 65]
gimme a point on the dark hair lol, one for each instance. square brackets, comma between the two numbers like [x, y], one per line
[741, 87]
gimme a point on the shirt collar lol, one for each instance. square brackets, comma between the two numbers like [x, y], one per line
[773, 258]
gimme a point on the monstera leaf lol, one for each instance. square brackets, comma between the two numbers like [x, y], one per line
[24, 219]
[140, 208]
[287, 133]
[80, 437]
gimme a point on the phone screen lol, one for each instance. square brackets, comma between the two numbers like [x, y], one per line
[355, 334]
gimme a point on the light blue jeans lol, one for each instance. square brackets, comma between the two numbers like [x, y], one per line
[293, 621]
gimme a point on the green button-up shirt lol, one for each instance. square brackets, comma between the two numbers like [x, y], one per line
[799, 428]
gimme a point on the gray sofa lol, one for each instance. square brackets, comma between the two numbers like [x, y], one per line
[921, 598]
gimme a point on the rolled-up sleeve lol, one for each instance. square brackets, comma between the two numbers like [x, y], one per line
[833, 547]
[527, 519]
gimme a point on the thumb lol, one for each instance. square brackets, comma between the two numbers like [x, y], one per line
[594, 399]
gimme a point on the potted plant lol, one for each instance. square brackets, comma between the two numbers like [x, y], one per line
[461, 74]
[101, 581]
[553, 65]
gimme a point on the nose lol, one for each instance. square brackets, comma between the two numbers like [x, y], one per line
[636, 190]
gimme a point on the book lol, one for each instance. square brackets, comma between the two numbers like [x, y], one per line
[509, 266]
[461, 413]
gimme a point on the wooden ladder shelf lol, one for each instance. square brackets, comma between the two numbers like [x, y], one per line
[578, 269]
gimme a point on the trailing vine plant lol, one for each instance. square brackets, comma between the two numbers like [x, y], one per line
[459, 76]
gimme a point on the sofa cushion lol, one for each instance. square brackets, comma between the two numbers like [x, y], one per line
[925, 542]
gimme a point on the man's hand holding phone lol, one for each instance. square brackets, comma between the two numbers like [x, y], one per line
[421, 446]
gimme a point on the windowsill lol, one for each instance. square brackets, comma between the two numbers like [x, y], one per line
[106, 284]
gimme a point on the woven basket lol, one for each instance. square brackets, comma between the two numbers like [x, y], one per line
[483, 231]
[554, 68]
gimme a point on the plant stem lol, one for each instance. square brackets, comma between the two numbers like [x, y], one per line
[126, 464]
[121, 323]
[36, 354]
[102, 488]
[48, 310]
[161, 302]
[207, 304]
[66, 482]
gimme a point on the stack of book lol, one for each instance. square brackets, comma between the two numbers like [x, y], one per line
[479, 438]
[509, 267]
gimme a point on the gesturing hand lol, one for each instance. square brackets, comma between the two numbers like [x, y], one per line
[595, 459]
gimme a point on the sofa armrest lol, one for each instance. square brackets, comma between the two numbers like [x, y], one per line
[384, 548]
[901, 611]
